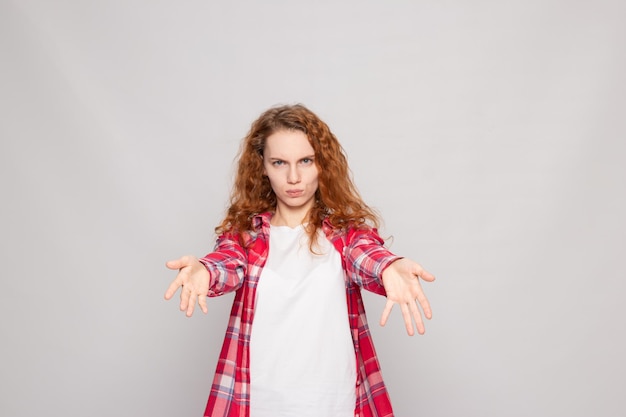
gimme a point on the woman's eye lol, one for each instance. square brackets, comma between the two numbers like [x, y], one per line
[307, 161]
[276, 163]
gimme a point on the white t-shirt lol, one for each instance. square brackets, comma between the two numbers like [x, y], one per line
[302, 359]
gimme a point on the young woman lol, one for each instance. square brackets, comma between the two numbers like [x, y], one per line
[297, 245]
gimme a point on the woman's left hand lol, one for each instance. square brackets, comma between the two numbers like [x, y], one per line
[401, 282]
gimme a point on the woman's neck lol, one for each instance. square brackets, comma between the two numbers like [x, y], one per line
[291, 217]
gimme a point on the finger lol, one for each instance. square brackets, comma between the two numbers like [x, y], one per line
[386, 312]
[420, 298]
[408, 322]
[180, 263]
[425, 275]
[202, 303]
[173, 287]
[417, 317]
[179, 280]
[423, 302]
[184, 299]
[192, 304]
[174, 264]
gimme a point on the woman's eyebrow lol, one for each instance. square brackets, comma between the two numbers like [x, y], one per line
[273, 158]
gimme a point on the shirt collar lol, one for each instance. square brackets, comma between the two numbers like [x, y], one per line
[262, 221]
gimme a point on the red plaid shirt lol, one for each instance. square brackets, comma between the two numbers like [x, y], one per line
[235, 268]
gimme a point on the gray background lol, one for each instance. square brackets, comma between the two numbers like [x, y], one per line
[489, 135]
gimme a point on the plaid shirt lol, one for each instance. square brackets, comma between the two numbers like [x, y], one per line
[235, 268]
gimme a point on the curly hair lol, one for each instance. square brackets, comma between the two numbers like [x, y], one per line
[336, 198]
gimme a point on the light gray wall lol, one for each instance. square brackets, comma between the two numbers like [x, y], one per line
[489, 134]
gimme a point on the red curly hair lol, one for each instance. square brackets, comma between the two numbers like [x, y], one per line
[336, 199]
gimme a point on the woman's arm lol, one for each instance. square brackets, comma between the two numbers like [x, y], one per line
[366, 258]
[219, 272]
[370, 265]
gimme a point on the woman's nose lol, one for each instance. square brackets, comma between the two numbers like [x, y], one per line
[293, 176]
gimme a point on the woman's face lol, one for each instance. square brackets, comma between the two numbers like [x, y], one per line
[289, 163]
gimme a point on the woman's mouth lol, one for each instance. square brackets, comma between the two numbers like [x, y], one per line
[294, 193]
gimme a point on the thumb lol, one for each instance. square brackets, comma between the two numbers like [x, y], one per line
[426, 276]
[175, 264]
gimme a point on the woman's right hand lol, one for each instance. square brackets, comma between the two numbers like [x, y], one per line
[194, 279]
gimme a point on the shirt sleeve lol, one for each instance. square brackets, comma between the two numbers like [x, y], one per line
[366, 258]
[227, 265]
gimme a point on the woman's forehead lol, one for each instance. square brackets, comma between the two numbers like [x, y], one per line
[288, 144]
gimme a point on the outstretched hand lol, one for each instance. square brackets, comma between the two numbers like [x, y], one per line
[193, 279]
[401, 282]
